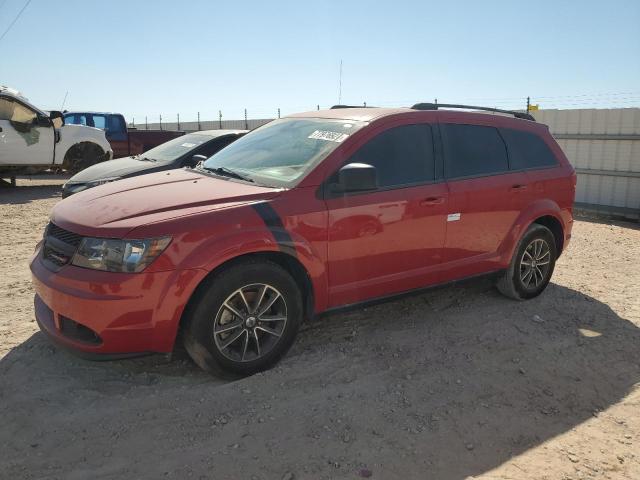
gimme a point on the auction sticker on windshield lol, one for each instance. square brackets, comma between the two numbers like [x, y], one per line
[328, 136]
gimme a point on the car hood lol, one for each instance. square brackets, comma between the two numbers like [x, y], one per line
[114, 209]
[120, 167]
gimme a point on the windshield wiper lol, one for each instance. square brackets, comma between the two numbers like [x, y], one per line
[227, 172]
[146, 159]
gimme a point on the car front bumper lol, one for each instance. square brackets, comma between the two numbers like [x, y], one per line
[112, 315]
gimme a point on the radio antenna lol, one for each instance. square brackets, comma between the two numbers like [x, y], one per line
[64, 101]
[340, 84]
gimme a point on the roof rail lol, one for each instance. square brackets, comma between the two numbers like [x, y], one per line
[435, 106]
[335, 107]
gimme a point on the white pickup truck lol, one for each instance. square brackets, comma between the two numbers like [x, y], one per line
[32, 140]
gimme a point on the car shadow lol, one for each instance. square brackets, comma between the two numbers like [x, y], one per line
[447, 384]
[25, 192]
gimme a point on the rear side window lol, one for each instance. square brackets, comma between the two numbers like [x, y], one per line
[99, 121]
[527, 150]
[116, 129]
[473, 150]
[401, 155]
[214, 146]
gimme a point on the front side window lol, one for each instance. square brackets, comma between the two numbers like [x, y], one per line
[473, 150]
[22, 114]
[402, 155]
[75, 119]
[527, 150]
[282, 152]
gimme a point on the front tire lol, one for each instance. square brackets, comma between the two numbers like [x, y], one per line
[532, 265]
[82, 156]
[244, 319]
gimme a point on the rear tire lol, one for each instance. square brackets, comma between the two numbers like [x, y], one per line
[532, 264]
[244, 319]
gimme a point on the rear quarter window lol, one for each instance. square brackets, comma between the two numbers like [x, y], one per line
[527, 150]
[473, 150]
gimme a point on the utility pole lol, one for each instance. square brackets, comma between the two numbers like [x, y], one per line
[178, 122]
[246, 124]
[146, 125]
[220, 119]
[528, 104]
[199, 127]
[160, 122]
[278, 113]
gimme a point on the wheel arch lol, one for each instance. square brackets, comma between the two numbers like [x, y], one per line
[543, 212]
[288, 262]
[80, 147]
[555, 225]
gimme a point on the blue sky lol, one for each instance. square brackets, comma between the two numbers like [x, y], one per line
[164, 57]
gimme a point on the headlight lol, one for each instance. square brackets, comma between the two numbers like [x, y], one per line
[79, 187]
[119, 255]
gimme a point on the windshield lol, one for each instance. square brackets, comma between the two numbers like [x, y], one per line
[176, 148]
[280, 153]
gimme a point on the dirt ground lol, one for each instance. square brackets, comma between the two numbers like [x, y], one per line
[455, 383]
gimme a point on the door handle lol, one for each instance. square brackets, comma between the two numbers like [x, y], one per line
[432, 201]
[519, 188]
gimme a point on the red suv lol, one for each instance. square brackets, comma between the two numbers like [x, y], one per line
[304, 215]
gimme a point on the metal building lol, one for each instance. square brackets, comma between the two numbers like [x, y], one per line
[603, 145]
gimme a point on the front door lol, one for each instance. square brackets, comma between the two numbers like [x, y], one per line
[389, 240]
[22, 140]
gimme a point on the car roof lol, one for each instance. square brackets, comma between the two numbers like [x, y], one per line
[356, 114]
[90, 112]
[370, 114]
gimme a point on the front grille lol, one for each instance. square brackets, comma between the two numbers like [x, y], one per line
[59, 246]
[64, 235]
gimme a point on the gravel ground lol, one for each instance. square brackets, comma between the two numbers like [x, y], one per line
[455, 383]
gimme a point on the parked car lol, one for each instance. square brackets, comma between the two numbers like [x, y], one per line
[184, 151]
[125, 141]
[33, 140]
[303, 216]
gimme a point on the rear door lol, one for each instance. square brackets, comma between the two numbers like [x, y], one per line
[22, 140]
[389, 240]
[485, 197]
[546, 178]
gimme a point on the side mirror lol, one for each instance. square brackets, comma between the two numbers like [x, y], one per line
[357, 177]
[42, 121]
[195, 160]
[57, 118]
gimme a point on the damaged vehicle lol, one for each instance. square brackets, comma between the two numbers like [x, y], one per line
[33, 140]
[307, 214]
[185, 151]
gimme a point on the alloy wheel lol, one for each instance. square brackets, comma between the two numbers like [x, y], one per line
[535, 263]
[250, 322]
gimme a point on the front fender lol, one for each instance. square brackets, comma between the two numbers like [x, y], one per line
[207, 254]
[71, 135]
